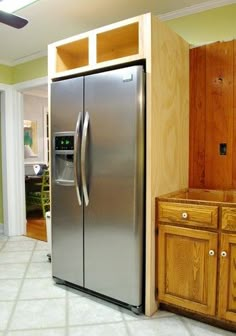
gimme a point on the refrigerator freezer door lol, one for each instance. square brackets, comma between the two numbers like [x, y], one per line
[115, 179]
[67, 215]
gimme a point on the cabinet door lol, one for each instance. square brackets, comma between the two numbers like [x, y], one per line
[227, 287]
[187, 268]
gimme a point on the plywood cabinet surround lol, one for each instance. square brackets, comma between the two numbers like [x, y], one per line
[118, 43]
[212, 114]
[145, 40]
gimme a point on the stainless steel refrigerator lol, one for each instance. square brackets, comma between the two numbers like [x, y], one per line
[98, 183]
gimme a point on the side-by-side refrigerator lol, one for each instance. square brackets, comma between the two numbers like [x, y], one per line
[98, 183]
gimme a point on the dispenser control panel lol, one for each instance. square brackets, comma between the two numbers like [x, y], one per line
[64, 142]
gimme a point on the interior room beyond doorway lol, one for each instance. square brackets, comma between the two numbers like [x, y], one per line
[36, 159]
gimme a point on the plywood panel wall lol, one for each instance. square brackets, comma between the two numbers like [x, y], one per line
[197, 117]
[212, 116]
[170, 118]
[219, 114]
[234, 118]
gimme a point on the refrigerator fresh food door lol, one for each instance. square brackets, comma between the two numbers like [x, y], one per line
[113, 143]
[66, 212]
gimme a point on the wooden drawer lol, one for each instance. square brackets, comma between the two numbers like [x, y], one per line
[228, 219]
[188, 214]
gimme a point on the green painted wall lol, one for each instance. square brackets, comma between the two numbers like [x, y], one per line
[23, 72]
[30, 70]
[213, 25]
[5, 74]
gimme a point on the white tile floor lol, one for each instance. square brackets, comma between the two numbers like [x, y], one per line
[32, 305]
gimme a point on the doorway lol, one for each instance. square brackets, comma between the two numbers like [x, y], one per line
[36, 160]
[1, 201]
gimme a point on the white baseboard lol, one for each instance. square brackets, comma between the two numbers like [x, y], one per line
[1, 228]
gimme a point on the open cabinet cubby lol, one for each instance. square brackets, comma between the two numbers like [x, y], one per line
[112, 44]
[72, 55]
[117, 43]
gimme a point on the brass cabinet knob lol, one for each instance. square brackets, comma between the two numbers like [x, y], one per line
[184, 215]
[223, 254]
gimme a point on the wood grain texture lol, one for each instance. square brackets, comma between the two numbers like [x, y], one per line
[72, 55]
[228, 219]
[182, 193]
[230, 196]
[206, 195]
[114, 44]
[227, 287]
[197, 117]
[210, 195]
[219, 114]
[187, 274]
[234, 117]
[170, 114]
[36, 228]
[175, 241]
[196, 215]
[117, 43]
[167, 129]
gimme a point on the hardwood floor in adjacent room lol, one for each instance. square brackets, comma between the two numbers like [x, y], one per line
[36, 226]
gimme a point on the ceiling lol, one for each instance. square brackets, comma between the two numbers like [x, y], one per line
[38, 91]
[53, 20]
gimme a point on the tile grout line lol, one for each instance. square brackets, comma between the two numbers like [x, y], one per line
[186, 325]
[146, 319]
[125, 324]
[33, 278]
[35, 329]
[19, 291]
[33, 299]
[96, 324]
[4, 243]
[73, 326]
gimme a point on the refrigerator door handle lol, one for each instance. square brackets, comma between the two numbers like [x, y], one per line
[76, 146]
[65, 183]
[83, 158]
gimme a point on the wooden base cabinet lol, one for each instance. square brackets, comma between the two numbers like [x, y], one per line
[187, 268]
[196, 269]
[227, 282]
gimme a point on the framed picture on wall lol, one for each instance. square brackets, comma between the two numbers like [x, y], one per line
[30, 138]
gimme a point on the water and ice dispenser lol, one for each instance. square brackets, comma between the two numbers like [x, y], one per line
[64, 153]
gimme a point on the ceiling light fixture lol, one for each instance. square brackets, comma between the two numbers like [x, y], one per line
[7, 7]
[11, 6]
